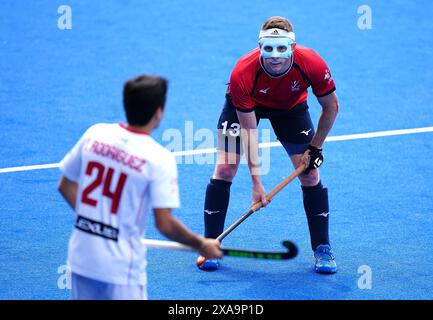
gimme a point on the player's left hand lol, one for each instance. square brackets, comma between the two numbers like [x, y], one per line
[312, 158]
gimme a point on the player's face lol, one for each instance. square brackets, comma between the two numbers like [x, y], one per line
[276, 65]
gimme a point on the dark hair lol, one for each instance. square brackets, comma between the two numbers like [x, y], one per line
[279, 23]
[142, 96]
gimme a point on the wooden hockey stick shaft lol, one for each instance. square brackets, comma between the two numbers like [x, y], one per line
[257, 205]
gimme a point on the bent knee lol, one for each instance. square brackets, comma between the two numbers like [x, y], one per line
[225, 171]
[311, 179]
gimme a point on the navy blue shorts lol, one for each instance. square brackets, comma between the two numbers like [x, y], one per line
[293, 128]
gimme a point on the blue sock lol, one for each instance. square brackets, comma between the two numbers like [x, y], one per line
[316, 207]
[215, 207]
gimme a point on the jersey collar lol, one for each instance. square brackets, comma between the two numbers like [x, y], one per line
[124, 126]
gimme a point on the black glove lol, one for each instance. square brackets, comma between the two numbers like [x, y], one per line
[316, 158]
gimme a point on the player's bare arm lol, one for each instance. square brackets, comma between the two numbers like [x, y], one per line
[173, 229]
[68, 190]
[329, 105]
[249, 132]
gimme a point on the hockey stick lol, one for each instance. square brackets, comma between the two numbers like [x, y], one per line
[257, 205]
[290, 253]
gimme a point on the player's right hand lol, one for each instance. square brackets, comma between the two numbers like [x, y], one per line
[210, 249]
[259, 194]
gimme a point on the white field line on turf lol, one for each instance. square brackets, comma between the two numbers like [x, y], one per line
[262, 145]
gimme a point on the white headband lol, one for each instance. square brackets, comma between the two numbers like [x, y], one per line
[277, 33]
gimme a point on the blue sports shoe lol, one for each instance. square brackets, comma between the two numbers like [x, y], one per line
[325, 262]
[207, 264]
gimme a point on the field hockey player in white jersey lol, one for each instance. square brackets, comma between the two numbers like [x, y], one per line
[112, 178]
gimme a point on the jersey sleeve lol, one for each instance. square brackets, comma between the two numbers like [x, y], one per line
[70, 166]
[240, 93]
[164, 189]
[320, 76]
